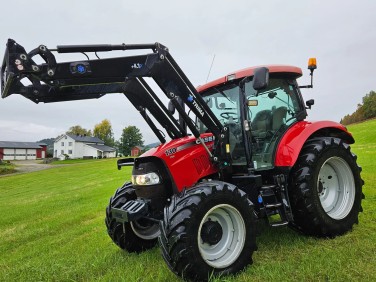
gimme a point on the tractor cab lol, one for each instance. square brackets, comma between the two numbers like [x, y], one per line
[256, 119]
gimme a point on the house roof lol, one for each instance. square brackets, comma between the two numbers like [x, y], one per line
[82, 138]
[102, 148]
[21, 145]
[138, 147]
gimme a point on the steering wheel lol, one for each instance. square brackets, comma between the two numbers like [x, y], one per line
[227, 115]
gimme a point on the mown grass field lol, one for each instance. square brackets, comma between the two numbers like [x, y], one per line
[52, 229]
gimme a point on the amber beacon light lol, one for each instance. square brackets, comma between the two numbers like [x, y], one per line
[312, 63]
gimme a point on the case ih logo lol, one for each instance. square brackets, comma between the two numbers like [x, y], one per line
[206, 139]
[172, 151]
[198, 108]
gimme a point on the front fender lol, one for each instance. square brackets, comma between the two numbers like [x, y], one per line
[292, 142]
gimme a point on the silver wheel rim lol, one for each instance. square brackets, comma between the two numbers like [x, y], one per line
[228, 249]
[336, 188]
[148, 232]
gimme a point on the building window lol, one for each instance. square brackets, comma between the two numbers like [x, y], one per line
[70, 143]
[70, 152]
[62, 143]
[62, 152]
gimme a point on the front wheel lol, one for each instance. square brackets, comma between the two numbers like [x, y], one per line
[135, 236]
[208, 230]
[326, 188]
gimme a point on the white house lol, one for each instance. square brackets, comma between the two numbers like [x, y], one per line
[79, 146]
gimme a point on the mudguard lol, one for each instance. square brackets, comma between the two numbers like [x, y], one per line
[292, 142]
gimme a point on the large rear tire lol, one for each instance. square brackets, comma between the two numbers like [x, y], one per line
[135, 236]
[326, 188]
[208, 230]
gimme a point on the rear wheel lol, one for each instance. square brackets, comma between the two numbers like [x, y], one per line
[136, 236]
[208, 230]
[326, 190]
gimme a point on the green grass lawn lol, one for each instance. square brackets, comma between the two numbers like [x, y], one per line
[52, 229]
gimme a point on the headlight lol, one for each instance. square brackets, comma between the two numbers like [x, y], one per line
[146, 179]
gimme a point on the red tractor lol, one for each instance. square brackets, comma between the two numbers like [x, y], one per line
[234, 151]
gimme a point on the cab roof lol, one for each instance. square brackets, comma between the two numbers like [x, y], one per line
[292, 71]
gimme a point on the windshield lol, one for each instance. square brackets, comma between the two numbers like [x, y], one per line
[224, 103]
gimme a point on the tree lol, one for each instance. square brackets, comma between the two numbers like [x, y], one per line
[130, 137]
[369, 105]
[364, 111]
[79, 130]
[103, 131]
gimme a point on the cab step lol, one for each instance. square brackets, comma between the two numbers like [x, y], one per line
[279, 223]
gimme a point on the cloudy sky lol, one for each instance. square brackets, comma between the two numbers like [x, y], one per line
[243, 33]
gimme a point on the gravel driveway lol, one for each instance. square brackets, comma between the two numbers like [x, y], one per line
[29, 166]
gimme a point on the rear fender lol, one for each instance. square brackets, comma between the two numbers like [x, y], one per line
[292, 142]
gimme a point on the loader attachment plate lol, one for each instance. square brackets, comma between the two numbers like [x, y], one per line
[130, 211]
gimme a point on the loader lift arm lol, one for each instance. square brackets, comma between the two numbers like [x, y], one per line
[88, 79]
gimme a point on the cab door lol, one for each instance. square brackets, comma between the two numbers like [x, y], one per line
[271, 111]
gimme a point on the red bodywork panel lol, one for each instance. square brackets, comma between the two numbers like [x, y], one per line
[295, 72]
[186, 160]
[293, 140]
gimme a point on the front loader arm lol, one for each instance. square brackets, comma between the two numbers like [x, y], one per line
[55, 82]
[88, 79]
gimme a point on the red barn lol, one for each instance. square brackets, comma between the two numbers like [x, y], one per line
[10, 150]
[136, 151]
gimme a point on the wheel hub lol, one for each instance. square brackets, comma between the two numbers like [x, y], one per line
[221, 236]
[320, 187]
[211, 232]
[145, 229]
[336, 188]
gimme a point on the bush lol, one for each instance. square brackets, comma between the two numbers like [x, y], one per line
[6, 168]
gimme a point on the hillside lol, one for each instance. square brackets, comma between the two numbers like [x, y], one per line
[364, 132]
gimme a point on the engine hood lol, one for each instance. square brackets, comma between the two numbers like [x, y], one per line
[186, 159]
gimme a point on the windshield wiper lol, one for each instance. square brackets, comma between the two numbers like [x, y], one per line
[223, 94]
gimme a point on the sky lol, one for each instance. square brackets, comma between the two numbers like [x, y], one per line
[243, 33]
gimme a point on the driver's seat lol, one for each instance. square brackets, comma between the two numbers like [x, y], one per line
[234, 131]
[279, 116]
[262, 123]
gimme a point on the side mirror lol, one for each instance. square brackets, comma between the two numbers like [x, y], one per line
[261, 78]
[310, 103]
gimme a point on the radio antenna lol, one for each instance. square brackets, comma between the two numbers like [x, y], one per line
[210, 68]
